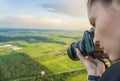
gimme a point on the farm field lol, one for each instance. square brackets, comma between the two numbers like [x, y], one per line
[28, 53]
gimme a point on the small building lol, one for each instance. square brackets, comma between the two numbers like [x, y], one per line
[15, 48]
[6, 46]
[11, 47]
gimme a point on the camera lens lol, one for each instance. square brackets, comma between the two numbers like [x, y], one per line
[71, 51]
[85, 46]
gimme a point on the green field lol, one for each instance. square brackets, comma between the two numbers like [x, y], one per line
[47, 49]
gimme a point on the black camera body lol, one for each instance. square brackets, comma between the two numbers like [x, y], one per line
[86, 47]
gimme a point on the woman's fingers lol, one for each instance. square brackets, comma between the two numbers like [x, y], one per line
[93, 66]
[80, 56]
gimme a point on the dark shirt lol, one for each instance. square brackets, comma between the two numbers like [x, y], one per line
[112, 73]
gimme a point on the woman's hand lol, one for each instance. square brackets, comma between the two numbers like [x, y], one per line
[93, 66]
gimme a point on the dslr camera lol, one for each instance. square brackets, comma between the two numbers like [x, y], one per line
[86, 47]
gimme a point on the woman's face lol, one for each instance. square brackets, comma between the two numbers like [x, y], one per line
[106, 19]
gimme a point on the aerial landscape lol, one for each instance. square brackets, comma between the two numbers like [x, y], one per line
[34, 55]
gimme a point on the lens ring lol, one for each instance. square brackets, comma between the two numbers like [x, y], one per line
[71, 51]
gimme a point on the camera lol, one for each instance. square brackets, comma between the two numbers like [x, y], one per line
[86, 46]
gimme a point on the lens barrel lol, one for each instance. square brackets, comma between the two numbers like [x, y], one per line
[86, 46]
[71, 51]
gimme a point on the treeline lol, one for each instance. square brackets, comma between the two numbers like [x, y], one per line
[53, 77]
[76, 38]
[30, 39]
[19, 65]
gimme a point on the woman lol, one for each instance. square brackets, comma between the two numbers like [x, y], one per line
[104, 15]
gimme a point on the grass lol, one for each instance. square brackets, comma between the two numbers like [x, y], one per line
[61, 63]
[5, 51]
[41, 53]
[77, 77]
[51, 55]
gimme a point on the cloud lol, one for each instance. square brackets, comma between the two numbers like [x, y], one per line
[76, 8]
[49, 14]
[27, 21]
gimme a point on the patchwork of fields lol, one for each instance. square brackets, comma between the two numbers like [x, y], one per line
[48, 49]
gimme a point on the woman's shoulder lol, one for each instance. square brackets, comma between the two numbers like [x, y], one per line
[112, 73]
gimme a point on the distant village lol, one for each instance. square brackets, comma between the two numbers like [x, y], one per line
[11, 47]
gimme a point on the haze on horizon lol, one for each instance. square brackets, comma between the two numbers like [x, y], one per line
[44, 14]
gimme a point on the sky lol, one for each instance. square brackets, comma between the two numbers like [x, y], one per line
[44, 14]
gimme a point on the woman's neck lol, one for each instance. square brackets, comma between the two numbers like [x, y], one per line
[115, 61]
